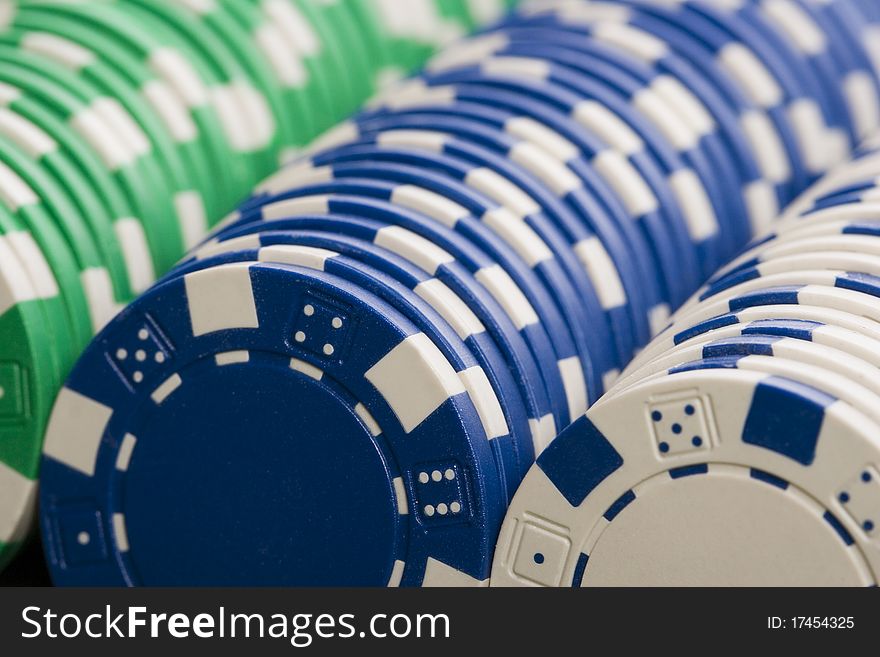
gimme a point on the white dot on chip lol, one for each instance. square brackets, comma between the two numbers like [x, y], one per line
[429, 510]
[121, 354]
[140, 355]
[300, 336]
[2, 392]
[442, 509]
[160, 357]
[328, 349]
[138, 377]
[450, 474]
[455, 507]
[83, 538]
[143, 334]
[436, 476]
[337, 322]
[423, 477]
[309, 310]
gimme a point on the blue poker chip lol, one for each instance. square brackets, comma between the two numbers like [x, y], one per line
[700, 174]
[486, 255]
[687, 191]
[538, 290]
[589, 195]
[562, 372]
[228, 413]
[459, 336]
[449, 288]
[563, 229]
[607, 284]
[652, 306]
[852, 46]
[769, 132]
[647, 59]
[588, 198]
[673, 253]
[494, 297]
[758, 151]
[699, 477]
[556, 107]
[816, 148]
[524, 208]
[823, 40]
[812, 67]
[432, 274]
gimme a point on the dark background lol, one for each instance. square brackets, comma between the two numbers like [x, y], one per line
[28, 568]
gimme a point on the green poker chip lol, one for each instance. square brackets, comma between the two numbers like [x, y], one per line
[379, 54]
[290, 43]
[232, 30]
[289, 73]
[307, 49]
[151, 138]
[91, 111]
[44, 282]
[172, 60]
[188, 186]
[96, 279]
[258, 131]
[29, 379]
[21, 201]
[51, 107]
[347, 40]
[332, 53]
[45, 152]
[80, 46]
[55, 146]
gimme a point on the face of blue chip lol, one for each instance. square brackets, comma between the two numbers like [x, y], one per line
[257, 394]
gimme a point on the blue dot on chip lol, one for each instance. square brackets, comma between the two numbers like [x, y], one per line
[664, 447]
[676, 428]
[844, 498]
[868, 525]
[696, 441]
[689, 409]
[539, 558]
[656, 416]
[866, 476]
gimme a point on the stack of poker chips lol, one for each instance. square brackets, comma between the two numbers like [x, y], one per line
[349, 382]
[128, 128]
[741, 447]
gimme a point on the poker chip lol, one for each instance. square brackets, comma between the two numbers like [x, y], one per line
[695, 461]
[26, 399]
[395, 399]
[517, 269]
[127, 130]
[476, 358]
[776, 349]
[334, 294]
